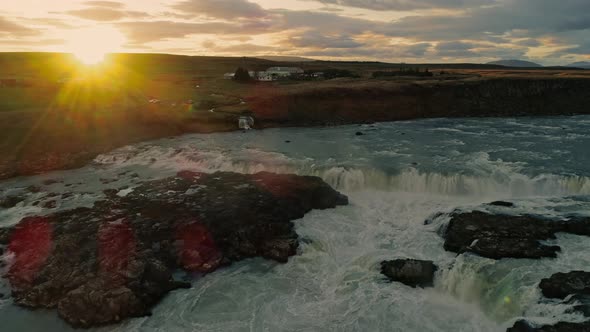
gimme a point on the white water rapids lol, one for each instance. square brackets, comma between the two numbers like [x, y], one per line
[397, 176]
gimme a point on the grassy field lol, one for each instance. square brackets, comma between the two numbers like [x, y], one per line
[61, 114]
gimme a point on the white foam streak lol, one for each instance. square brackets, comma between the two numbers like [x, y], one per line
[493, 178]
[411, 180]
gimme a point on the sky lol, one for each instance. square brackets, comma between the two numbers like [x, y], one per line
[549, 32]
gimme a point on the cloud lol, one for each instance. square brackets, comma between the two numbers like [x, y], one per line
[145, 32]
[428, 30]
[105, 11]
[105, 14]
[581, 48]
[224, 9]
[528, 42]
[455, 48]
[405, 52]
[34, 42]
[529, 16]
[9, 28]
[408, 4]
[500, 29]
[109, 4]
[315, 39]
[47, 21]
[244, 49]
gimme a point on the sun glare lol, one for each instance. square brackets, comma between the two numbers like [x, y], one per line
[90, 45]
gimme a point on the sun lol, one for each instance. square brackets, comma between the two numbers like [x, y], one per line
[90, 58]
[90, 45]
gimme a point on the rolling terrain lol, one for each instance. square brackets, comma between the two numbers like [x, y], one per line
[56, 113]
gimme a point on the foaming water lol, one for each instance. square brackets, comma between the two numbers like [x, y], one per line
[484, 177]
[334, 283]
[397, 176]
[411, 180]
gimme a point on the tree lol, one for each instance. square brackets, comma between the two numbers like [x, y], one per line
[242, 75]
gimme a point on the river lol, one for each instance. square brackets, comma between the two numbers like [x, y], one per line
[397, 175]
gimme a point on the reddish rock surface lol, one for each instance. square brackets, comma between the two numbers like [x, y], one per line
[100, 265]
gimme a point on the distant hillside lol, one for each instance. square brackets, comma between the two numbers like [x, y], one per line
[285, 58]
[515, 63]
[581, 64]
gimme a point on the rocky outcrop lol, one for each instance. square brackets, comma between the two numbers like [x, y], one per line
[575, 286]
[523, 326]
[331, 103]
[10, 201]
[581, 304]
[411, 272]
[504, 236]
[562, 285]
[502, 204]
[103, 264]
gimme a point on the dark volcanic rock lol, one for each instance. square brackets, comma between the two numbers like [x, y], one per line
[561, 285]
[523, 326]
[4, 236]
[49, 182]
[67, 195]
[34, 189]
[10, 201]
[411, 272]
[502, 236]
[110, 193]
[52, 204]
[502, 204]
[578, 226]
[103, 264]
[581, 304]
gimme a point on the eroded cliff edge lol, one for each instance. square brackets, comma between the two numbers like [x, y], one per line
[53, 146]
[372, 101]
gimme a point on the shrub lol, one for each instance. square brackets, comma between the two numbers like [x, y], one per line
[242, 75]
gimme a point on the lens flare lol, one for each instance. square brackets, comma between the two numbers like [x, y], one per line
[90, 45]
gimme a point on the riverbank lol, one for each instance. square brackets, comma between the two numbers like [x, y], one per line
[58, 134]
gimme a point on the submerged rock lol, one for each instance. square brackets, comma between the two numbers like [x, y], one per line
[50, 182]
[502, 204]
[505, 236]
[52, 204]
[562, 285]
[523, 326]
[10, 201]
[411, 272]
[103, 264]
[575, 286]
[581, 304]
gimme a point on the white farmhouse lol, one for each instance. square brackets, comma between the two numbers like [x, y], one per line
[271, 74]
[275, 73]
[284, 71]
[265, 76]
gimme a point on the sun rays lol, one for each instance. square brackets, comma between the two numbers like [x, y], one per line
[90, 45]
